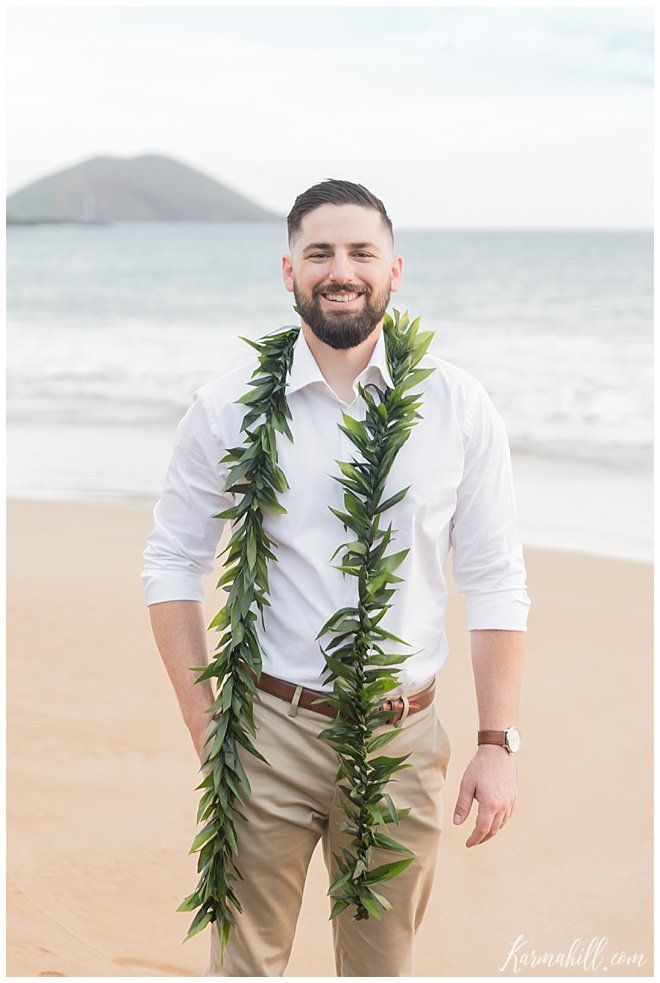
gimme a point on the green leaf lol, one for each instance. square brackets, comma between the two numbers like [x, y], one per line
[370, 904]
[338, 907]
[346, 519]
[220, 621]
[359, 869]
[205, 835]
[388, 634]
[355, 426]
[227, 692]
[414, 377]
[200, 921]
[338, 883]
[190, 903]
[258, 393]
[352, 472]
[389, 843]
[376, 814]
[354, 506]
[347, 568]
[350, 624]
[381, 740]
[251, 550]
[394, 560]
[386, 762]
[335, 617]
[392, 501]
[387, 871]
[355, 547]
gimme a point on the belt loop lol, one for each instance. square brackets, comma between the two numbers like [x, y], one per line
[406, 707]
[293, 709]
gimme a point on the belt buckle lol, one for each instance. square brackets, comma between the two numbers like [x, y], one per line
[402, 710]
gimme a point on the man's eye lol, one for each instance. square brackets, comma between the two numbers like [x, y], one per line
[318, 255]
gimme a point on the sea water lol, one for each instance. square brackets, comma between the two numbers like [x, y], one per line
[112, 327]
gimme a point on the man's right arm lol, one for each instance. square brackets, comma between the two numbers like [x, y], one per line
[180, 550]
[180, 633]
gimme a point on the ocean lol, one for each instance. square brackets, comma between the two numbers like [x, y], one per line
[112, 327]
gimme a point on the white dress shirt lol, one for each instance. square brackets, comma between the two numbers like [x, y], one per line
[457, 463]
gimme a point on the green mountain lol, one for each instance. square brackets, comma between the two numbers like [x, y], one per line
[148, 188]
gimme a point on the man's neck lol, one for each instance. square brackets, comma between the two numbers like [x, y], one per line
[340, 366]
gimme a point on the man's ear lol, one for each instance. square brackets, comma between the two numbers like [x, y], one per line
[396, 271]
[287, 272]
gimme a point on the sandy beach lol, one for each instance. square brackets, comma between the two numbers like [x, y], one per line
[101, 771]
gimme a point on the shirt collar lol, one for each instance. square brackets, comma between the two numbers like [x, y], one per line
[305, 369]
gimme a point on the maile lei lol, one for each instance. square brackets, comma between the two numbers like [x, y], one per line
[360, 670]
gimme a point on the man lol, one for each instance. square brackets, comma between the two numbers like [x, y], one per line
[341, 271]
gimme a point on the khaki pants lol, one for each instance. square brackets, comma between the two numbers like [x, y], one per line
[293, 804]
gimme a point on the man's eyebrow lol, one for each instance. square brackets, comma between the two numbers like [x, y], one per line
[351, 245]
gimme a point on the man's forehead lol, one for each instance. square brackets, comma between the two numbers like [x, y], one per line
[341, 224]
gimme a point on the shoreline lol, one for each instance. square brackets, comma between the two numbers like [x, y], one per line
[140, 507]
[562, 503]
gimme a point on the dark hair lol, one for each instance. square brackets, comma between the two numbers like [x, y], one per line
[334, 192]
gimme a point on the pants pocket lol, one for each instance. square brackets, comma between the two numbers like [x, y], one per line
[443, 743]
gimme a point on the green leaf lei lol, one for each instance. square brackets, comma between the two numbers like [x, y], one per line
[360, 671]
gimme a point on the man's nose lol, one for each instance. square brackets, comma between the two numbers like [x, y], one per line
[341, 270]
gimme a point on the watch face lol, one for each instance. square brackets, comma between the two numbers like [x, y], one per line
[513, 739]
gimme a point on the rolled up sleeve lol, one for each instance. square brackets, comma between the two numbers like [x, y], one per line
[182, 544]
[487, 564]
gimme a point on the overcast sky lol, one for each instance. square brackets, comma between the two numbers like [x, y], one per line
[454, 116]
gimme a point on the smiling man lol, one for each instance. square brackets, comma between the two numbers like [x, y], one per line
[342, 287]
[342, 274]
[456, 465]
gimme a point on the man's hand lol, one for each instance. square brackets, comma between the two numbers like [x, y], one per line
[492, 779]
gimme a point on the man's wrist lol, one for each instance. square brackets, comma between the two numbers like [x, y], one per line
[198, 719]
[508, 739]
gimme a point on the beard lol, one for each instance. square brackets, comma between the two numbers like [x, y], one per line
[342, 329]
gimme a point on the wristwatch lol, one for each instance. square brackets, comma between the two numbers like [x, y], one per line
[509, 738]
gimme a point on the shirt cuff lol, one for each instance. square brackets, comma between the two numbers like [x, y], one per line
[171, 585]
[505, 610]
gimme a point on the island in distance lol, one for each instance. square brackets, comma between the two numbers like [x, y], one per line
[146, 188]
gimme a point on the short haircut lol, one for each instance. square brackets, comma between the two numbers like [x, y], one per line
[334, 192]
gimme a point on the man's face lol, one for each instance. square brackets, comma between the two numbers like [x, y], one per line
[344, 251]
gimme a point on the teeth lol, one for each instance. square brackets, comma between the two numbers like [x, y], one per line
[341, 297]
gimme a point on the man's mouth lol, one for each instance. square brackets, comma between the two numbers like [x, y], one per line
[335, 299]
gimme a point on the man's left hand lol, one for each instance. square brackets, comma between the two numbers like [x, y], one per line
[492, 779]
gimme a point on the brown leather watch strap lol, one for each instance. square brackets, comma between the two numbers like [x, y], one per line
[401, 706]
[492, 737]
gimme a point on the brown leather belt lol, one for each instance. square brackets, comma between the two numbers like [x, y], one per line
[402, 706]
